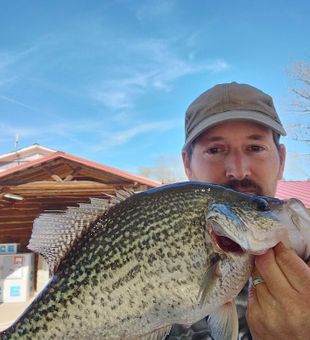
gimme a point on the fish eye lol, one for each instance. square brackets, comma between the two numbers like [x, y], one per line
[261, 204]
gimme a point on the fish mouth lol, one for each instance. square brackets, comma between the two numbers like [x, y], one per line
[225, 243]
[228, 244]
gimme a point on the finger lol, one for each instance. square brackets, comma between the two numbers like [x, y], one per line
[272, 274]
[260, 303]
[294, 268]
[260, 291]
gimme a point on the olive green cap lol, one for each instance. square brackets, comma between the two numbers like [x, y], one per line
[230, 101]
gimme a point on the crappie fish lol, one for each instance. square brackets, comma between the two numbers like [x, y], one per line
[174, 254]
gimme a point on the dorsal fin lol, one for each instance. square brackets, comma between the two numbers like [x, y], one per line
[54, 232]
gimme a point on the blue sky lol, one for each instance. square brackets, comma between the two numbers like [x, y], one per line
[110, 80]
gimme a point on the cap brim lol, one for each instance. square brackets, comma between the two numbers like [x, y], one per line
[255, 116]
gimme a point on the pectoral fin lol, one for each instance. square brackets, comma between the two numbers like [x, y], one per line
[224, 322]
[209, 281]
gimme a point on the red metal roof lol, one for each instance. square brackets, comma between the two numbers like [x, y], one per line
[82, 161]
[297, 189]
[55, 182]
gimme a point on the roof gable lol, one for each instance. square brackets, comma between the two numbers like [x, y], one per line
[22, 156]
[55, 182]
[59, 165]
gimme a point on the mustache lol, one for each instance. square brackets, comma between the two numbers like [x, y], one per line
[244, 184]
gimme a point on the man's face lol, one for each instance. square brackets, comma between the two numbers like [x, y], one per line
[239, 154]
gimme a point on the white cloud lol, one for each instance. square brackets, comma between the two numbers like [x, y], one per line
[160, 65]
[106, 138]
[130, 133]
[154, 8]
[26, 132]
[10, 58]
[12, 67]
[16, 102]
[113, 99]
[61, 128]
[116, 138]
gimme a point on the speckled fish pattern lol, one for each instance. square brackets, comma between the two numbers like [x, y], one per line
[139, 268]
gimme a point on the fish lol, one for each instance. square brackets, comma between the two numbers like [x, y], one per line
[131, 266]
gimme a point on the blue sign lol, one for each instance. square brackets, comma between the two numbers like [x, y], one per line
[15, 291]
[10, 248]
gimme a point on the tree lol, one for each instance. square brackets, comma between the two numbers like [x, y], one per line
[300, 71]
[167, 169]
[300, 127]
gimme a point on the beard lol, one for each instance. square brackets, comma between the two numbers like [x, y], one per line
[245, 185]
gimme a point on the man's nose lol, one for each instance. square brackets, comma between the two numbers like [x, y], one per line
[237, 166]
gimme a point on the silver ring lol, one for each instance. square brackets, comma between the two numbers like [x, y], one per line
[257, 280]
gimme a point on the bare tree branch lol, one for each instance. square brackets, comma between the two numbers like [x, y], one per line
[300, 72]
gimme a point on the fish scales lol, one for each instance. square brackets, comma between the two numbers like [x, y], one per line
[138, 268]
[126, 241]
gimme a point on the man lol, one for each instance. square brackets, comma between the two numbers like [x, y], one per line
[232, 139]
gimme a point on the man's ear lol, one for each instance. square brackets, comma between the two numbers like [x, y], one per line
[282, 153]
[186, 164]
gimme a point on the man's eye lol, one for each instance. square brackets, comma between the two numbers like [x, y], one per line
[214, 150]
[256, 148]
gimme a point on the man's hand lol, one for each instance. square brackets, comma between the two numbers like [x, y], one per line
[279, 308]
